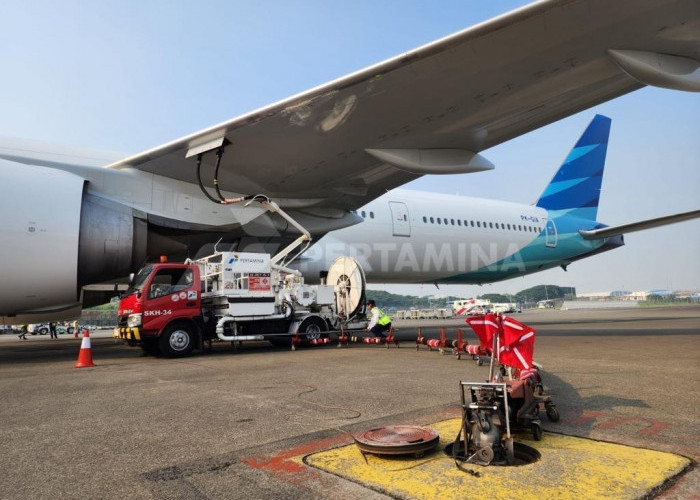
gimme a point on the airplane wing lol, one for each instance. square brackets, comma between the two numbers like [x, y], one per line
[607, 232]
[433, 109]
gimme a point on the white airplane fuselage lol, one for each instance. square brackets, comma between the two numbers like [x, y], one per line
[418, 237]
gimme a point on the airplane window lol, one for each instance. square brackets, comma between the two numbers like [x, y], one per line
[466, 223]
[497, 226]
[509, 226]
[472, 223]
[405, 218]
[425, 219]
[362, 214]
[432, 221]
[478, 224]
[459, 222]
[452, 221]
[439, 220]
[371, 215]
[520, 228]
[491, 225]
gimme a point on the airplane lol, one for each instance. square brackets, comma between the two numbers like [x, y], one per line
[418, 237]
[325, 153]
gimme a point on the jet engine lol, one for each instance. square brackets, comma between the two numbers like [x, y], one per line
[57, 237]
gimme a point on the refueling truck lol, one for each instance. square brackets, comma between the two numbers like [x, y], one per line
[170, 309]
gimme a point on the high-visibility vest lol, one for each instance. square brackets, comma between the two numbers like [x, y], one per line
[384, 319]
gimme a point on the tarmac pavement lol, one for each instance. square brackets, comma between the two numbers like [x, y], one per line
[232, 424]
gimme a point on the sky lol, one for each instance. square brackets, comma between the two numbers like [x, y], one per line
[131, 75]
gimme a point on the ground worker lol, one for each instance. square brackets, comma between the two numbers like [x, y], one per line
[380, 322]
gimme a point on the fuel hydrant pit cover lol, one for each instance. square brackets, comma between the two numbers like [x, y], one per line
[397, 440]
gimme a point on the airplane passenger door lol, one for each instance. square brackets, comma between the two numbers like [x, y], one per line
[399, 218]
[550, 238]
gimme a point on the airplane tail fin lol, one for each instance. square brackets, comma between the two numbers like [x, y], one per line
[575, 188]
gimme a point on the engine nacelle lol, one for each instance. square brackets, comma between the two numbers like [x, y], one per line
[57, 237]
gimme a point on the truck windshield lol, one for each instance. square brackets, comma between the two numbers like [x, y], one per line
[137, 283]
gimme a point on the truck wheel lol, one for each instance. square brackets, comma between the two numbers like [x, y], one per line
[43, 330]
[177, 340]
[312, 328]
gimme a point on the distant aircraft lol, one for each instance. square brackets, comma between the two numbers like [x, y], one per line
[72, 225]
[418, 237]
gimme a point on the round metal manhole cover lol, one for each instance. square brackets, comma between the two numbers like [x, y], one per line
[397, 440]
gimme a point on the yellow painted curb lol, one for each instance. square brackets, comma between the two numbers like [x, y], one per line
[570, 468]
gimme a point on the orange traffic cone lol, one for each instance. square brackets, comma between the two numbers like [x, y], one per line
[85, 355]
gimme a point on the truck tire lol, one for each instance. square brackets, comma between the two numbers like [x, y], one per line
[313, 327]
[177, 340]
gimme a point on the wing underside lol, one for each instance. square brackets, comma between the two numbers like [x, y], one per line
[462, 94]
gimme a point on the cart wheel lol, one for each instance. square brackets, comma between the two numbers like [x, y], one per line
[552, 412]
[536, 431]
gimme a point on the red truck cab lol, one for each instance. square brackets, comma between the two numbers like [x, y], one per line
[162, 310]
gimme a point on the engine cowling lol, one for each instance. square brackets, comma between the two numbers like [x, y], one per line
[57, 237]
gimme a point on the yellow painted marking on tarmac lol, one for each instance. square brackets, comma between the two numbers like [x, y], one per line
[570, 468]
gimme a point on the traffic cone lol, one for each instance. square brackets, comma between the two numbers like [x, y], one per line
[85, 355]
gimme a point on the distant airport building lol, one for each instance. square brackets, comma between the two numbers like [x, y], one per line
[624, 295]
